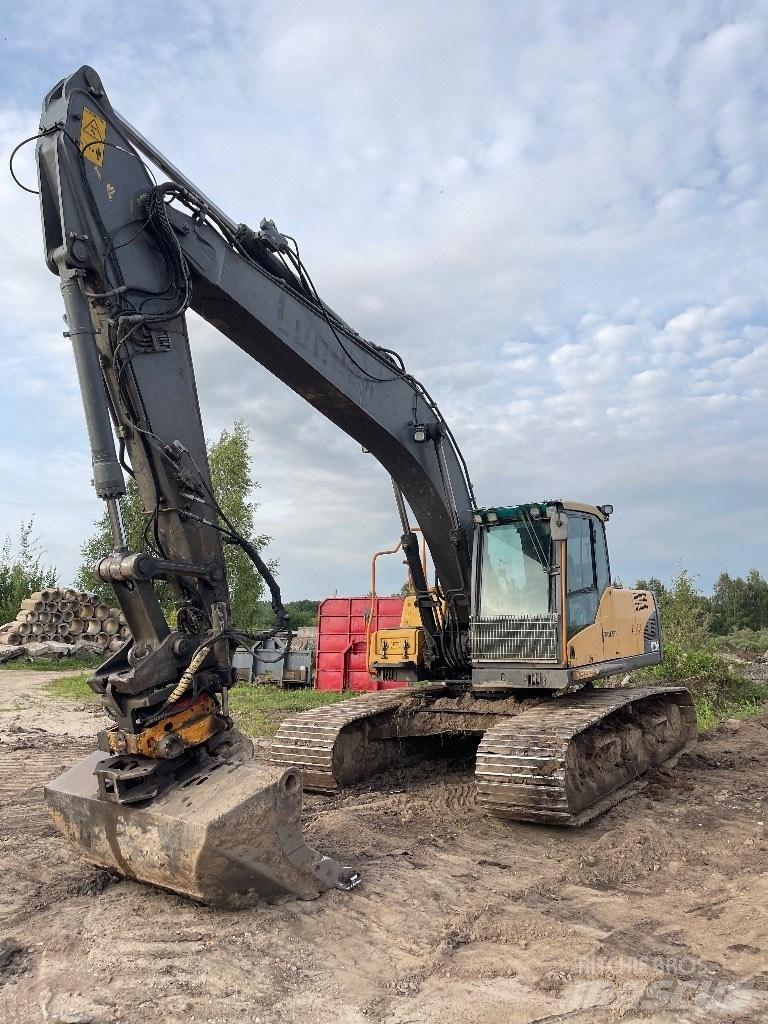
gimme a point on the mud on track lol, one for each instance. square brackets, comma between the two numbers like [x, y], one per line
[655, 913]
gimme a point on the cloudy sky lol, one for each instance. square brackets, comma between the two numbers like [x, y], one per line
[555, 211]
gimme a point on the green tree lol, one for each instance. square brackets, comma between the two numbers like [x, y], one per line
[683, 609]
[233, 483]
[21, 571]
[757, 589]
[740, 603]
[300, 613]
[685, 614]
[656, 587]
[727, 603]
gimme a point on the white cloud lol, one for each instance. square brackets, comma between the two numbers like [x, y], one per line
[557, 215]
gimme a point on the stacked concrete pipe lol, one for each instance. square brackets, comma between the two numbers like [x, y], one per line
[66, 616]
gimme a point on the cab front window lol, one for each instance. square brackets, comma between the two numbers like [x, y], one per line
[514, 578]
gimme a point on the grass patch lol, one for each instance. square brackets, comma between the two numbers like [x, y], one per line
[24, 664]
[72, 687]
[749, 641]
[257, 710]
[718, 691]
[753, 701]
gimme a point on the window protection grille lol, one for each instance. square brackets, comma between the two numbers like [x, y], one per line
[514, 638]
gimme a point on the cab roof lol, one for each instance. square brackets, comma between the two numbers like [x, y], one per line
[540, 509]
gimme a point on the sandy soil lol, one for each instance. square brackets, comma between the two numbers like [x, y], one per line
[655, 914]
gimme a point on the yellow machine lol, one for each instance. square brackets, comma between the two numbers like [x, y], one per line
[400, 648]
[398, 652]
[546, 614]
[520, 604]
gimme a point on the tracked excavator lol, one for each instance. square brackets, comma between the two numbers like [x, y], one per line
[504, 646]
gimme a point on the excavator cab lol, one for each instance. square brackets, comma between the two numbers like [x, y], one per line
[545, 613]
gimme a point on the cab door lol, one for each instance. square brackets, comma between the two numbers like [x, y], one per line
[588, 578]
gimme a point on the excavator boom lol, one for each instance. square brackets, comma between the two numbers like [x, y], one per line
[103, 218]
[132, 257]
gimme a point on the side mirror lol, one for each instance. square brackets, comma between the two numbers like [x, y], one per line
[558, 525]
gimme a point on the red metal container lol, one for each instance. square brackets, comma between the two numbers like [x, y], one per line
[341, 641]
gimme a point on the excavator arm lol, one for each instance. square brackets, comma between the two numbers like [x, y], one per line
[132, 257]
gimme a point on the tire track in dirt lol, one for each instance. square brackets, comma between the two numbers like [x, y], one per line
[33, 758]
[654, 913]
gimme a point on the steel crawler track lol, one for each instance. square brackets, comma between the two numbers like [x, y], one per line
[560, 762]
[309, 739]
[526, 765]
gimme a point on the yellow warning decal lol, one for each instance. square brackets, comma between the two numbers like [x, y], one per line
[92, 135]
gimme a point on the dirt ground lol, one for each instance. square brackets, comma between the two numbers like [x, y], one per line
[656, 913]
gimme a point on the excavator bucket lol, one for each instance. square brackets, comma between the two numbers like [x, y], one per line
[228, 835]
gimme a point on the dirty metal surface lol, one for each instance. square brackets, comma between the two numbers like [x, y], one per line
[563, 761]
[569, 759]
[320, 744]
[228, 835]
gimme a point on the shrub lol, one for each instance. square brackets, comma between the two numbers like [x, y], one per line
[21, 571]
[691, 657]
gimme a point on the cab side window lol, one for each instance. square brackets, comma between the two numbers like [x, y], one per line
[581, 570]
[583, 594]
